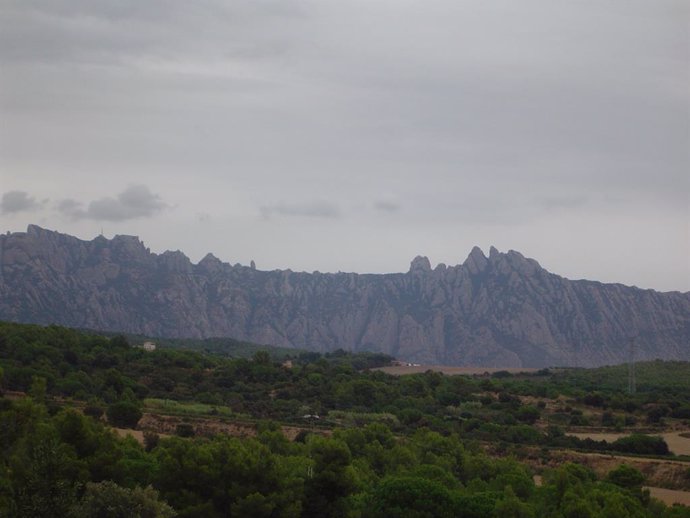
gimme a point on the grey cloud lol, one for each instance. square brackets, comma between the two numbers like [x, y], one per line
[475, 116]
[386, 206]
[313, 209]
[98, 32]
[18, 201]
[136, 201]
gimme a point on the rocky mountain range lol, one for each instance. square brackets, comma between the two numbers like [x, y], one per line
[503, 310]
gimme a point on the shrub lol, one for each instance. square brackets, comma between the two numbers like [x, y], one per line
[124, 413]
[528, 414]
[151, 440]
[641, 444]
[594, 399]
[626, 477]
[184, 430]
[108, 500]
[93, 410]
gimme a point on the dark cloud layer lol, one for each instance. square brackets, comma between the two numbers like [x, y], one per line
[136, 201]
[18, 201]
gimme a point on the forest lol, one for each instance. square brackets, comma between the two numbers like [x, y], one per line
[361, 443]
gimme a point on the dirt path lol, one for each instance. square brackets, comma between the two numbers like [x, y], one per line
[124, 432]
[676, 443]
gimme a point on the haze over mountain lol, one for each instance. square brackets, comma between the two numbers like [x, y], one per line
[498, 311]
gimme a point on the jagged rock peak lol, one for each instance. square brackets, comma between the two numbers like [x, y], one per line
[521, 263]
[494, 253]
[210, 263]
[35, 230]
[493, 317]
[476, 262]
[175, 253]
[131, 242]
[175, 261]
[420, 264]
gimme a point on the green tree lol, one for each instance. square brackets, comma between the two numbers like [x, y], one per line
[44, 475]
[626, 477]
[510, 506]
[410, 497]
[333, 478]
[38, 389]
[108, 500]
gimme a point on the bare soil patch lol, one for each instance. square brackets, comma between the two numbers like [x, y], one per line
[670, 474]
[599, 436]
[166, 425]
[678, 442]
[670, 496]
[124, 432]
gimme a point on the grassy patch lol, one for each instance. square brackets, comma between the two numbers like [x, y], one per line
[169, 406]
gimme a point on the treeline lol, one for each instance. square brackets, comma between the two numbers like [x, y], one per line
[399, 446]
[227, 347]
[70, 465]
[111, 376]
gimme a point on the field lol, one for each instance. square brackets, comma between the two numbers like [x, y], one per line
[670, 496]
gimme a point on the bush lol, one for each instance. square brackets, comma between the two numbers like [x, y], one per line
[626, 477]
[594, 399]
[151, 440]
[184, 430]
[124, 414]
[655, 414]
[108, 500]
[93, 410]
[641, 444]
[682, 412]
[528, 414]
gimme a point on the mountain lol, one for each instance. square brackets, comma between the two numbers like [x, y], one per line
[498, 311]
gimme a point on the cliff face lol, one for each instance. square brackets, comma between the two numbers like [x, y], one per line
[502, 310]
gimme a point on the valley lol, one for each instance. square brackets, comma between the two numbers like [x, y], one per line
[480, 441]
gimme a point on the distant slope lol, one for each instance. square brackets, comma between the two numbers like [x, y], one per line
[228, 347]
[498, 311]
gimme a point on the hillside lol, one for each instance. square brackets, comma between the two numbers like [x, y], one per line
[503, 310]
[204, 435]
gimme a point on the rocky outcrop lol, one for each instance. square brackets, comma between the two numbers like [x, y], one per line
[498, 311]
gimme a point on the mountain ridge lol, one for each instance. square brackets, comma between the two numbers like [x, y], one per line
[503, 310]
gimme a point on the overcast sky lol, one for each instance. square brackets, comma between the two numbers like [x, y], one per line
[353, 135]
